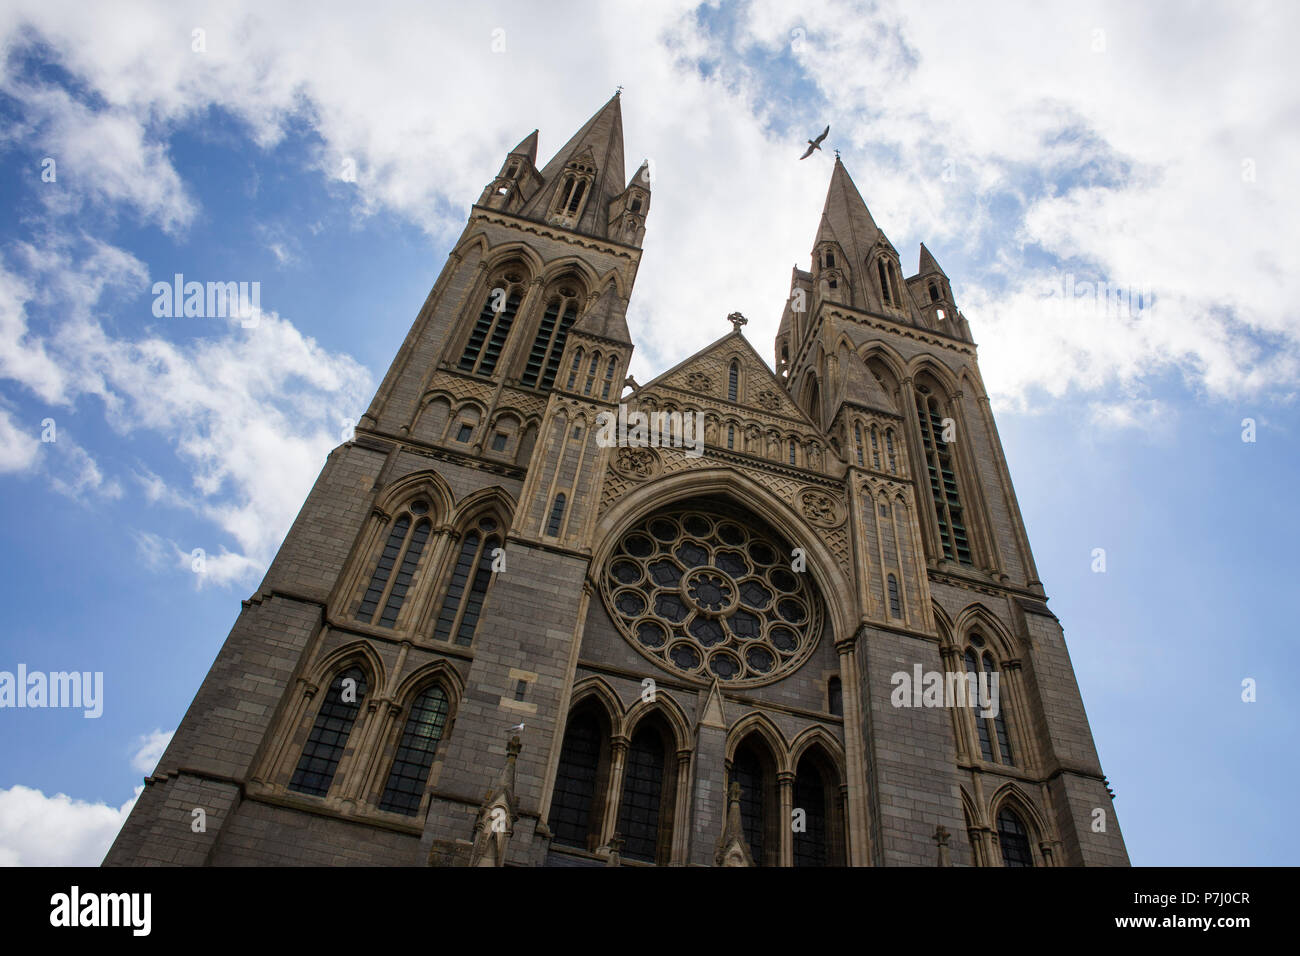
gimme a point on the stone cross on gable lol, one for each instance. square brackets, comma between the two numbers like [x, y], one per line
[737, 320]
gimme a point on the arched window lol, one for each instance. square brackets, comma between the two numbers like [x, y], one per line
[410, 772]
[591, 373]
[1013, 839]
[402, 551]
[329, 734]
[609, 376]
[943, 478]
[645, 808]
[895, 605]
[835, 697]
[731, 437]
[492, 328]
[557, 516]
[875, 448]
[884, 282]
[733, 381]
[934, 292]
[857, 440]
[889, 450]
[573, 370]
[791, 446]
[576, 807]
[992, 730]
[463, 602]
[548, 345]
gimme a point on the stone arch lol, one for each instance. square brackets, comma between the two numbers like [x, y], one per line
[759, 724]
[406, 488]
[819, 736]
[584, 274]
[498, 256]
[746, 493]
[435, 672]
[1011, 796]
[495, 499]
[671, 712]
[598, 690]
[978, 614]
[355, 652]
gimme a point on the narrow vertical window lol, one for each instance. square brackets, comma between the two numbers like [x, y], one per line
[792, 451]
[573, 369]
[810, 796]
[747, 771]
[410, 772]
[402, 551]
[981, 725]
[591, 373]
[934, 292]
[329, 734]
[857, 440]
[1013, 840]
[895, 605]
[731, 437]
[884, 282]
[943, 481]
[733, 381]
[574, 798]
[492, 328]
[835, 696]
[640, 808]
[576, 199]
[889, 450]
[557, 516]
[999, 721]
[609, 376]
[875, 448]
[467, 588]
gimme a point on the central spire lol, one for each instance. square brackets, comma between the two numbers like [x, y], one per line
[597, 146]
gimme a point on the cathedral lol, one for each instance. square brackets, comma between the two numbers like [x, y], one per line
[492, 638]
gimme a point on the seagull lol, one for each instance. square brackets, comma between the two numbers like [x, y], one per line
[815, 143]
[518, 726]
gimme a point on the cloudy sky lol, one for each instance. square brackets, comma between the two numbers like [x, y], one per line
[1039, 151]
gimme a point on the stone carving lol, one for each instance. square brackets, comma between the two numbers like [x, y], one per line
[699, 382]
[769, 399]
[638, 463]
[820, 508]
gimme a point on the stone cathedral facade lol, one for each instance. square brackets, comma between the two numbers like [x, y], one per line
[491, 639]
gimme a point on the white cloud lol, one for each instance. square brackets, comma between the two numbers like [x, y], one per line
[150, 749]
[18, 446]
[251, 413]
[36, 830]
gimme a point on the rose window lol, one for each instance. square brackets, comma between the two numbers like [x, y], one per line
[708, 591]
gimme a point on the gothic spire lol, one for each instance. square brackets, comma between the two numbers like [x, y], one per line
[599, 145]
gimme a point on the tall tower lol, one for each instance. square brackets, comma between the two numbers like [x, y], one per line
[491, 639]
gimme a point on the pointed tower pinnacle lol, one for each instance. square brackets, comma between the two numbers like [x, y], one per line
[527, 148]
[928, 264]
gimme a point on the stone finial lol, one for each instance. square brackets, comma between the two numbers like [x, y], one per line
[732, 849]
[495, 823]
[737, 320]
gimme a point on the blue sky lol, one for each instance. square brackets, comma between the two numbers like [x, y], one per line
[334, 162]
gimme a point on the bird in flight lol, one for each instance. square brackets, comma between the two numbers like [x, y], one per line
[814, 144]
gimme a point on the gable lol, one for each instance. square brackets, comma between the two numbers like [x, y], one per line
[706, 375]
